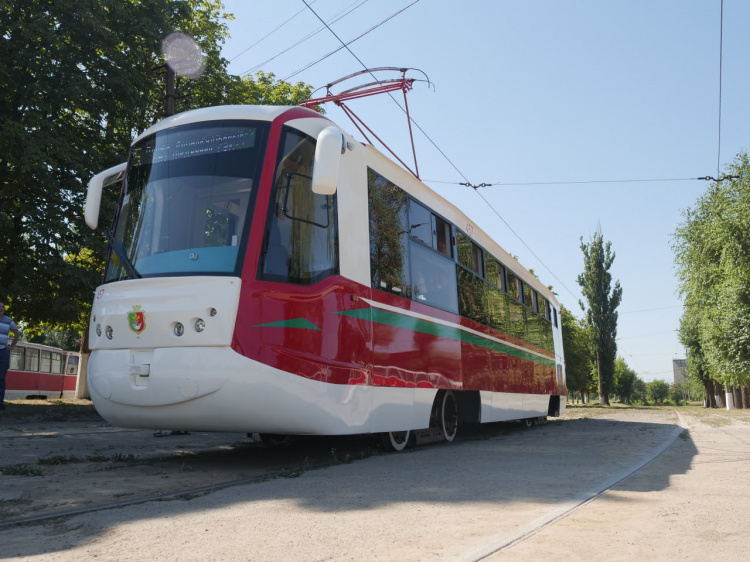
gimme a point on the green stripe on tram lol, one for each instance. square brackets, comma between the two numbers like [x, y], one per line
[379, 316]
[294, 323]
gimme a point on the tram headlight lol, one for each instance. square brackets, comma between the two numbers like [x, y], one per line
[212, 312]
[110, 332]
[179, 329]
[200, 325]
[99, 330]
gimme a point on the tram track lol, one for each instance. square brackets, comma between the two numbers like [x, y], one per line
[326, 458]
[272, 464]
[184, 493]
[504, 542]
[512, 496]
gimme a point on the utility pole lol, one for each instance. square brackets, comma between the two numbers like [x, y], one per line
[169, 98]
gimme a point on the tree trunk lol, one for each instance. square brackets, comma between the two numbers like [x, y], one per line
[708, 387]
[737, 397]
[746, 397]
[719, 393]
[603, 392]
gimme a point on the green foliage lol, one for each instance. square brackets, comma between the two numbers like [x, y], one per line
[79, 79]
[601, 312]
[624, 381]
[59, 459]
[658, 391]
[20, 470]
[577, 346]
[712, 254]
[640, 391]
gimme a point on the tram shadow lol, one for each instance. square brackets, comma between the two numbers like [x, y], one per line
[501, 469]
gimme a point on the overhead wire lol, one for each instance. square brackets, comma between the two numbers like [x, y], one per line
[525, 244]
[344, 45]
[516, 184]
[274, 30]
[340, 15]
[721, 58]
[440, 150]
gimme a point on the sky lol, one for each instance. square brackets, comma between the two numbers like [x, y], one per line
[527, 96]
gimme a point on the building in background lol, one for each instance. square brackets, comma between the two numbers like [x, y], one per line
[679, 368]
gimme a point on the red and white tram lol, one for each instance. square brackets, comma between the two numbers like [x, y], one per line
[270, 274]
[41, 371]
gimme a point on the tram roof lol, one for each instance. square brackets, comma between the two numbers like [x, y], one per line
[402, 177]
[222, 112]
[426, 195]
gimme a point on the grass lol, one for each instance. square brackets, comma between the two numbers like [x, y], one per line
[63, 409]
[58, 460]
[20, 470]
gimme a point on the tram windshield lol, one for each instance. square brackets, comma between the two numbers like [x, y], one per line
[188, 198]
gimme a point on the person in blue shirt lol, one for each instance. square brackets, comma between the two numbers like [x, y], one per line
[7, 327]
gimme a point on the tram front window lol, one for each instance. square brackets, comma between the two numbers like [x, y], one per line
[188, 194]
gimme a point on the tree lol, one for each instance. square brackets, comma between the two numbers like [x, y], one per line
[601, 314]
[624, 381]
[697, 368]
[658, 391]
[712, 254]
[640, 391]
[79, 79]
[577, 350]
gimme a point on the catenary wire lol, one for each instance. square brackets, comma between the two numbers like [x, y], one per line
[721, 48]
[526, 245]
[444, 155]
[340, 15]
[501, 184]
[392, 98]
[343, 45]
[274, 30]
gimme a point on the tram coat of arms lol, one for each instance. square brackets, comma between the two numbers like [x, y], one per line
[137, 319]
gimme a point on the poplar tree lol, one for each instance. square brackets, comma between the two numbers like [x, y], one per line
[602, 301]
[712, 255]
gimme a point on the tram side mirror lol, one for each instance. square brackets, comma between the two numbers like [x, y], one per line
[328, 150]
[94, 193]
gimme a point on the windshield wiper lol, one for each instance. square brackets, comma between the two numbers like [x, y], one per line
[120, 252]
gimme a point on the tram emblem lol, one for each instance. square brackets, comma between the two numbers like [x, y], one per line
[137, 319]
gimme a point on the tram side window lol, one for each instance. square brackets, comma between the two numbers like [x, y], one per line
[17, 359]
[56, 363]
[389, 248]
[301, 239]
[528, 295]
[469, 254]
[434, 278]
[32, 359]
[45, 364]
[495, 272]
[420, 223]
[514, 285]
[443, 242]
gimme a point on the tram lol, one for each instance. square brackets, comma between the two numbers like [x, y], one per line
[270, 274]
[42, 372]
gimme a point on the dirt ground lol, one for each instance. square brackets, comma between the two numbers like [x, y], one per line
[561, 489]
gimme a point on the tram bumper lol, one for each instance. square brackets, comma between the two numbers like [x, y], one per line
[217, 389]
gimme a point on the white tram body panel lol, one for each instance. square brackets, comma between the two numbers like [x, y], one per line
[151, 377]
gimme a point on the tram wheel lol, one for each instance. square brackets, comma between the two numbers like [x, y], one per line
[529, 422]
[396, 440]
[276, 441]
[449, 416]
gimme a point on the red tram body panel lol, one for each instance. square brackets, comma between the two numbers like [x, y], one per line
[244, 294]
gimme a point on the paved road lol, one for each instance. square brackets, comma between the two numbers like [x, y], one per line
[517, 495]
